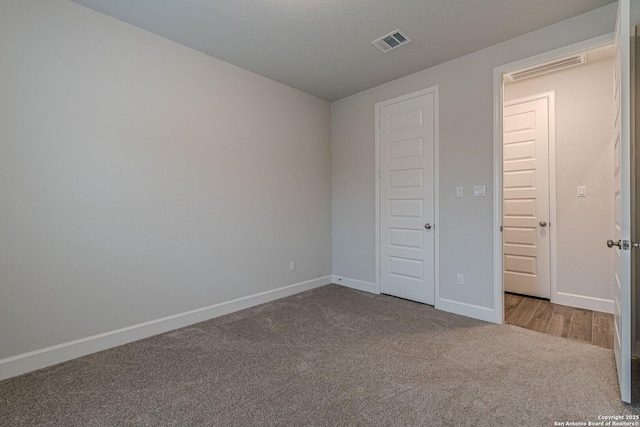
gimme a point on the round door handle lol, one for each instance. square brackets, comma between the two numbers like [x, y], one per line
[611, 243]
[427, 226]
[543, 223]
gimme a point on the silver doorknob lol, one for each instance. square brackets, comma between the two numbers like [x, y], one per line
[427, 226]
[543, 223]
[611, 243]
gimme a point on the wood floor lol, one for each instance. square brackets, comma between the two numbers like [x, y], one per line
[541, 315]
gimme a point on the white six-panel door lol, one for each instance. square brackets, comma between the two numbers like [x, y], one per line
[622, 200]
[406, 155]
[526, 225]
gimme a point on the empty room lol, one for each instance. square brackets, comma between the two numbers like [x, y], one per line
[278, 212]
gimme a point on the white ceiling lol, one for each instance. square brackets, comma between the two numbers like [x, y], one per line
[323, 47]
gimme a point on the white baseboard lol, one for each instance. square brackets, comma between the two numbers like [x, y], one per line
[38, 359]
[580, 301]
[461, 308]
[356, 284]
[464, 309]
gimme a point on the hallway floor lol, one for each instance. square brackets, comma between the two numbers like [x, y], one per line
[540, 315]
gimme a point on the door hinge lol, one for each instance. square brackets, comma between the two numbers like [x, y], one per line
[501, 229]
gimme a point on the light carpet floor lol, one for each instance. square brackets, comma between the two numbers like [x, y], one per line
[330, 356]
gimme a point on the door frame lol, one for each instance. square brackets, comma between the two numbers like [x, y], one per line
[436, 181]
[498, 102]
[553, 235]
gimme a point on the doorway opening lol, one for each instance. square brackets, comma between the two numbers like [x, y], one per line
[622, 199]
[556, 187]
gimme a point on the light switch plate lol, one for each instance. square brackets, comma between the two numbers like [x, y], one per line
[479, 191]
[582, 191]
[460, 280]
[459, 191]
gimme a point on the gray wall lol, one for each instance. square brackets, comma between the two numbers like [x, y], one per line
[140, 179]
[466, 159]
[584, 156]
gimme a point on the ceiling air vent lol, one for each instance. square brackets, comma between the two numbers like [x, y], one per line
[548, 67]
[391, 41]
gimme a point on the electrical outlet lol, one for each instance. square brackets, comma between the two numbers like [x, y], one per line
[479, 191]
[292, 266]
[461, 279]
[582, 191]
[459, 191]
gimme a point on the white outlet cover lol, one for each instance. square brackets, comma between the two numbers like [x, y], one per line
[459, 191]
[460, 279]
[479, 191]
[582, 191]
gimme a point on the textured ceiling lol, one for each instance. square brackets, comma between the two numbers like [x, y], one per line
[322, 47]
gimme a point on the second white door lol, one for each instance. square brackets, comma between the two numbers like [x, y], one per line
[526, 196]
[407, 208]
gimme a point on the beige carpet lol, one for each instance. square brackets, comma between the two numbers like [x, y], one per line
[331, 356]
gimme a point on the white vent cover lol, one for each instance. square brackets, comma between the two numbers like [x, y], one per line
[391, 41]
[547, 67]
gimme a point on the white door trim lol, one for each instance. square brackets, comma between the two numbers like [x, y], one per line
[436, 181]
[498, 100]
[553, 235]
